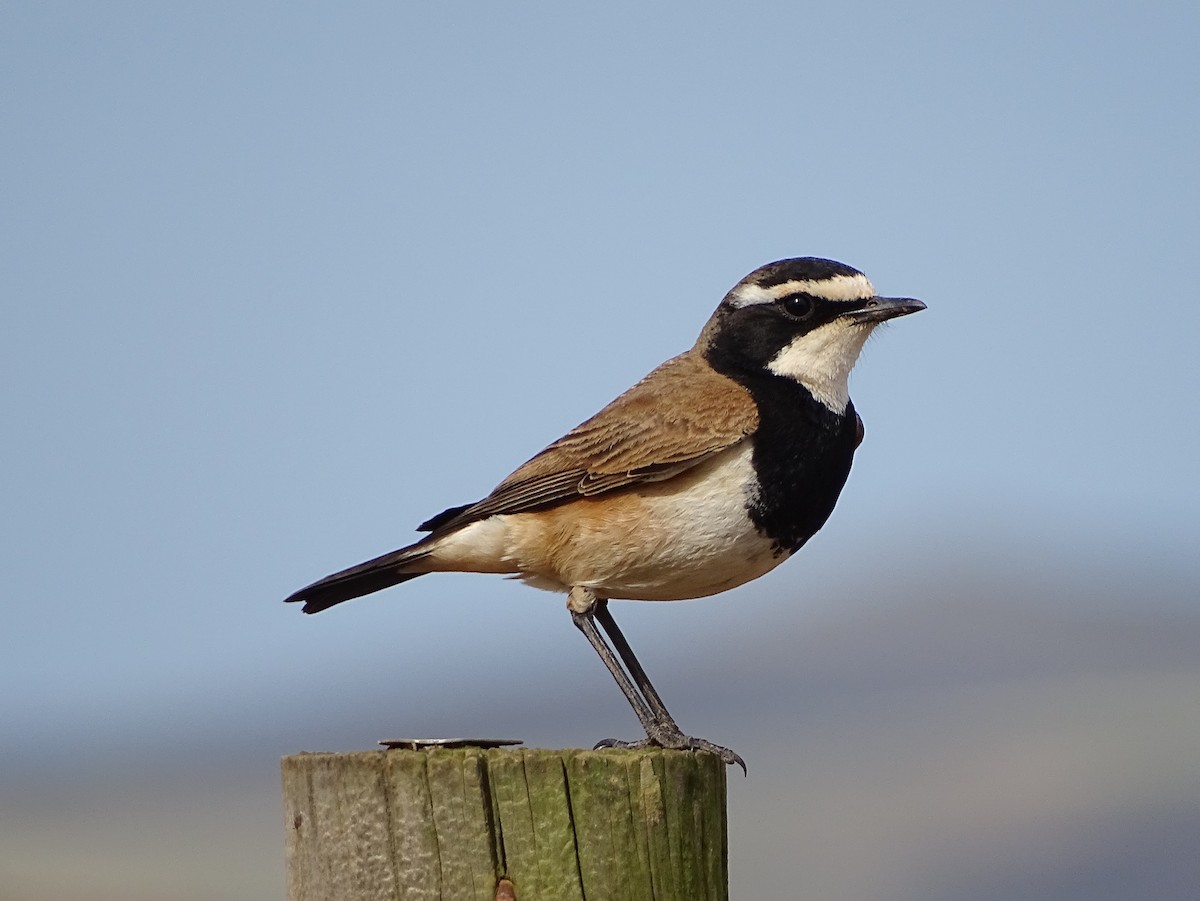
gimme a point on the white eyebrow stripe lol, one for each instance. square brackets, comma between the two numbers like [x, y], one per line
[838, 287]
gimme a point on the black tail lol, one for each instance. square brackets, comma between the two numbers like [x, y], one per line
[366, 578]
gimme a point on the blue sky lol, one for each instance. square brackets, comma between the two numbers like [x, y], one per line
[280, 283]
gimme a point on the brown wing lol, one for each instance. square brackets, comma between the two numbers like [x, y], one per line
[679, 415]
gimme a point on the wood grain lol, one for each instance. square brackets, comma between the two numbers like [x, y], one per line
[448, 825]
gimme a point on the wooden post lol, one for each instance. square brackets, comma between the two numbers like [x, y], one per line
[449, 825]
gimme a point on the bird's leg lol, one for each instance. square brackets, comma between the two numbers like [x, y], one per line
[668, 735]
[660, 726]
[585, 623]
[632, 666]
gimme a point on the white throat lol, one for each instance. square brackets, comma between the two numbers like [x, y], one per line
[822, 359]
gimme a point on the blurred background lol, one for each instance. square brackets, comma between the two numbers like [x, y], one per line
[279, 282]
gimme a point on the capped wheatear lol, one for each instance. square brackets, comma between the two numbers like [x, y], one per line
[709, 472]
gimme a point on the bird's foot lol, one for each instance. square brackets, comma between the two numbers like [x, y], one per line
[676, 741]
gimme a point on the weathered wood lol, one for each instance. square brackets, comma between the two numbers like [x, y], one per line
[447, 825]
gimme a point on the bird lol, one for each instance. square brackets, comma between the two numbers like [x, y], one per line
[706, 474]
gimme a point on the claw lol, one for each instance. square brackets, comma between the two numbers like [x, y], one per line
[677, 742]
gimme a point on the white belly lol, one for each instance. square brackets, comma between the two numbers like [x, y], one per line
[687, 537]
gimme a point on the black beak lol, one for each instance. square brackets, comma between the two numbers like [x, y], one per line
[880, 309]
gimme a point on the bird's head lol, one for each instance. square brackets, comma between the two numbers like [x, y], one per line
[804, 319]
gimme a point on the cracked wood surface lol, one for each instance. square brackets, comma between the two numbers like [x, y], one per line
[447, 825]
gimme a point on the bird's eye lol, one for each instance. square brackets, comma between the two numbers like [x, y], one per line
[798, 306]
